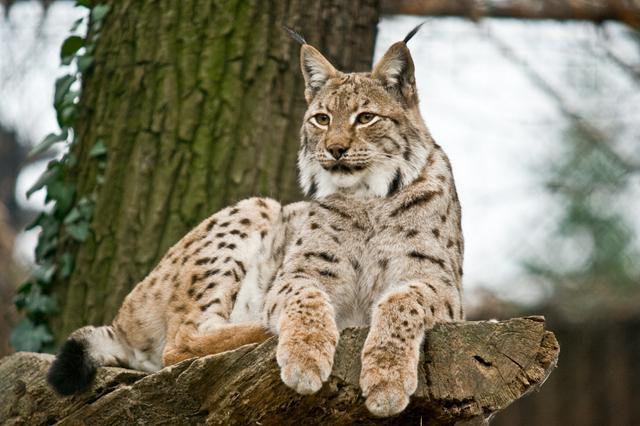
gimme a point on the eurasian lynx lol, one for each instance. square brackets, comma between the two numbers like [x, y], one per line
[379, 245]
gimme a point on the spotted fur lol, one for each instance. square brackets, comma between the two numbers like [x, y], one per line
[380, 244]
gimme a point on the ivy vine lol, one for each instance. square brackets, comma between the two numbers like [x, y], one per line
[67, 221]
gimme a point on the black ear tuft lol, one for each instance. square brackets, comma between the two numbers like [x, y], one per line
[294, 35]
[73, 370]
[412, 33]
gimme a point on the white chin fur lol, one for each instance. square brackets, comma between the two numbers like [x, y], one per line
[345, 181]
[367, 183]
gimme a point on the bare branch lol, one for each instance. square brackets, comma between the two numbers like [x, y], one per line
[598, 138]
[627, 11]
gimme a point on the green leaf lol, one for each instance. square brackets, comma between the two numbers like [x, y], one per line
[27, 336]
[68, 264]
[70, 159]
[62, 87]
[79, 231]
[84, 3]
[36, 222]
[77, 22]
[99, 149]
[46, 247]
[44, 273]
[70, 46]
[39, 303]
[25, 288]
[20, 300]
[86, 206]
[72, 216]
[99, 12]
[63, 194]
[71, 97]
[84, 62]
[50, 227]
[48, 142]
[49, 175]
[67, 115]
[67, 60]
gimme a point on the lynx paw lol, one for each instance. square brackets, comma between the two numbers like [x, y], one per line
[306, 360]
[388, 388]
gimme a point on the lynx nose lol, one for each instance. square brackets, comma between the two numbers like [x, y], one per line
[337, 151]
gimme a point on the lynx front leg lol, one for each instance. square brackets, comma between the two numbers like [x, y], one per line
[389, 374]
[308, 335]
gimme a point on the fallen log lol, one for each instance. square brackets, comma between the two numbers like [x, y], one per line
[468, 371]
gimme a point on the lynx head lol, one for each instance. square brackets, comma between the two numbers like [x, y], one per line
[362, 132]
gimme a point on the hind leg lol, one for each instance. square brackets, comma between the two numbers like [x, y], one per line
[224, 338]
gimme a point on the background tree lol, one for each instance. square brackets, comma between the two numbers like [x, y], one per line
[188, 107]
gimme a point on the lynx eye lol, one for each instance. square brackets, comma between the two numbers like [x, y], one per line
[365, 117]
[322, 119]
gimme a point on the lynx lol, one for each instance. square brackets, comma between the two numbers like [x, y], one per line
[380, 244]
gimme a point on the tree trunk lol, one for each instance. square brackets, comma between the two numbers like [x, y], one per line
[199, 105]
[468, 372]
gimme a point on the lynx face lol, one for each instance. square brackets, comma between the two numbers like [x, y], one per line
[362, 133]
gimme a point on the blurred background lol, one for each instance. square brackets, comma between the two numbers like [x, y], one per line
[538, 106]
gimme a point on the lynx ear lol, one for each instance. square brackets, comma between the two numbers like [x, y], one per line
[316, 70]
[396, 71]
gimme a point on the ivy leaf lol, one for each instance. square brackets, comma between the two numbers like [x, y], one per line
[99, 149]
[85, 206]
[25, 288]
[70, 97]
[49, 175]
[70, 46]
[72, 216]
[79, 231]
[84, 62]
[45, 247]
[71, 159]
[63, 84]
[40, 303]
[27, 336]
[44, 273]
[48, 142]
[99, 12]
[78, 21]
[68, 264]
[67, 115]
[63, 194]
[50, 226]
[36, 222]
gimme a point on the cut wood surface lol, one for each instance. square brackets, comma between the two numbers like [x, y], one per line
[468, 372]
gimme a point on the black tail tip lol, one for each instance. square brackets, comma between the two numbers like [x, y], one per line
[73, 370]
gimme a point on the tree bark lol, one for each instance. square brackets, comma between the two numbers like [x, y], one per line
[468, 372]
[199, 105]
[627, 11]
